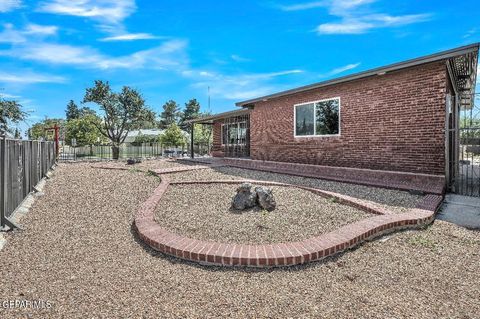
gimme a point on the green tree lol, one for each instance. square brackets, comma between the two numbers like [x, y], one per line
[465, 124]
[173, 136]
[38, 130]
[148, 120]
[85, 130]
[191, 111]
[145, 139]
[121, 111]
[202, 134]
[10, 112]
[170, 114]
[17, 134]
[72, 112]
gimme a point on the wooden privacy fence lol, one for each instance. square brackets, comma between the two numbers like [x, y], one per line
[23, 164]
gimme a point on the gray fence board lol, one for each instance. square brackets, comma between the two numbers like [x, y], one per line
[25, 164]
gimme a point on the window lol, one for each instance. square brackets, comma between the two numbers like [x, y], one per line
[318, 118]
[234, 133]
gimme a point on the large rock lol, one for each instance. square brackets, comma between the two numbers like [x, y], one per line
[132, 161]
[244, 198]
[265, 198]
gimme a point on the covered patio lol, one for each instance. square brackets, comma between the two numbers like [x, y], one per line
[231, 133]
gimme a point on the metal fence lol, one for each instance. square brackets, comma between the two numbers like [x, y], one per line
[146, 150]
[468, 179]
[24, 164]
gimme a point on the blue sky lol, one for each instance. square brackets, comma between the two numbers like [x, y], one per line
[51, 50]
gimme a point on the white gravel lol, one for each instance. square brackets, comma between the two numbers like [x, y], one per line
[78, 252]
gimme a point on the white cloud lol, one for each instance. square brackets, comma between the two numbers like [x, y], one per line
[9, 5]
[359, 25]
[345, 27]
[356, 17]
[9, 96]
[32, 28]
[11, 35]
[470, 32]
[131, 37]
[303, 6]
[334, 6]
[389, 21]
[240, 86]
[15, 36]
[238, 58]
[108, 11]
[344, 68]
[347, 7]
[30, 78]
[169, 55]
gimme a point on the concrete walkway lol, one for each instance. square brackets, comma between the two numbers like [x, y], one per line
[461, 210]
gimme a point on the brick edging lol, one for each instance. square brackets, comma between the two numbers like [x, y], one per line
[278, 254]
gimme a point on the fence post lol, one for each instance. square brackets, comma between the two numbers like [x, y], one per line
[5, 224]
[3, 201]
[192, 129]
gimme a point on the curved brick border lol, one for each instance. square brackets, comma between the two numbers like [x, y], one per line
[279, 254]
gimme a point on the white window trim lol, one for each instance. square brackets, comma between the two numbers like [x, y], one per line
[314, 121]
[238, 131]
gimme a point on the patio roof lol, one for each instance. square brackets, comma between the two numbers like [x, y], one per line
[464, 59]
[210, 119]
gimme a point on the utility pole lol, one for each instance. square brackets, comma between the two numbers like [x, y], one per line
[208, 90]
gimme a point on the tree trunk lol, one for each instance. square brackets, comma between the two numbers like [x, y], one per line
[115, 152]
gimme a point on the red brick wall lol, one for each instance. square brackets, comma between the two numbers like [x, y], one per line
[217, 149]
[389, 122]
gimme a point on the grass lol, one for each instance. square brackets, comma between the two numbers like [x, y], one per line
[423, 241]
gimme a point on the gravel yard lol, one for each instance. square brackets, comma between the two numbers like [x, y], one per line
[203, 212]
[78, 252]
[397, 201]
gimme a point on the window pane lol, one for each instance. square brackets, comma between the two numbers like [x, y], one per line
[242, 133]
[304, 119]
[232, 134]
[327, 117]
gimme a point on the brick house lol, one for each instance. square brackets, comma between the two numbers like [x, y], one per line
[391, 118]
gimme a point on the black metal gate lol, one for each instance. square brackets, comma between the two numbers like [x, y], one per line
[464, 145]
[468, 181]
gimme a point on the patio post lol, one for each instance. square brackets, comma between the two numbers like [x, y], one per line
[192, 155]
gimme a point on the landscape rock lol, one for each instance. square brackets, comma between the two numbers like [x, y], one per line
[265, 198]
[245, 197]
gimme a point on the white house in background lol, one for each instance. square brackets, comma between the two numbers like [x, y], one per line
[132, 135]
